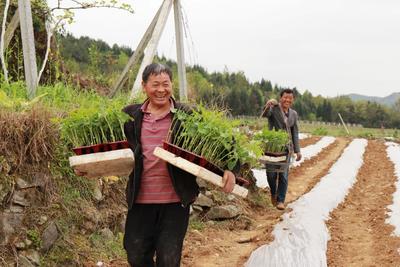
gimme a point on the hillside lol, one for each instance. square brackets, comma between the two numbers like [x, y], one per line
[97, 65]
[389, 100]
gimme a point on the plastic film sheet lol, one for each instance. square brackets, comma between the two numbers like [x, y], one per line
[301, 238]
[393, 151]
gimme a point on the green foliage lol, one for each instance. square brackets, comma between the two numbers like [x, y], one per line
[395, 133]
[259, 198]
[100, 123]
[196, 224]
[113, 248]
[92, 119]
[34, 236]
[366, 134]
[273, 141]
[229, 90]
[208, 133]
[321, 131]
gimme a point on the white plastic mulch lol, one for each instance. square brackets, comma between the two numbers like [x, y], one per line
[314, 149]
[301, 238]
[393, 151]
[307, 153]
[303, 135]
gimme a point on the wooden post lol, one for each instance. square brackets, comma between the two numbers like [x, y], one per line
[180, 52]
[344, 125]
[152, 47]
[28, 46]
[137, 54]
[12, 26]
[2, 47]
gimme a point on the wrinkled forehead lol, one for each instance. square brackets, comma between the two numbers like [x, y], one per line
[287, 95]
[162, 76]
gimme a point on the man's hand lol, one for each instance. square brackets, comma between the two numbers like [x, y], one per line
[271, 102]
[298, 156]
[228, 180]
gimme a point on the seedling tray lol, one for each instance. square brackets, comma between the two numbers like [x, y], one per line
[83, 150]
[275, 162]
[111, 163]
[189, 165]
[196, 159]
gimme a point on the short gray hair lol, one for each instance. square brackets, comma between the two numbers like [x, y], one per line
[155, 69]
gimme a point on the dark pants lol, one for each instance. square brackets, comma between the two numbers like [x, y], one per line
[155, 229]
[278, 184]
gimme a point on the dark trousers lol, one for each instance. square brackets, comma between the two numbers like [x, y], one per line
[278, 184]
[155, 230]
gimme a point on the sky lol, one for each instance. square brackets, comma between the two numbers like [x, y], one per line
[329, 48]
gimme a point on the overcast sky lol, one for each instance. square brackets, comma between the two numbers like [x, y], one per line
[327, 47]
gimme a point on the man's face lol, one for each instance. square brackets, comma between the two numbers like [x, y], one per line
[158, 89]
[286, 100]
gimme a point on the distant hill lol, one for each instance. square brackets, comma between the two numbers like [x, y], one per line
[388, 100]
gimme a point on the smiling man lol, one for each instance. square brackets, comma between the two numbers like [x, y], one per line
[158, 194]
[282, 117]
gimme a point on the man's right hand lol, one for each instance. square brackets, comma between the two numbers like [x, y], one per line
[271, 102]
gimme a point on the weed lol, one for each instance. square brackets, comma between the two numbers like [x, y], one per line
[196, 224]
[321, 131]
[366, 134]
[34, 236]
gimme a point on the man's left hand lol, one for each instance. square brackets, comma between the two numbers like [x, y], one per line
[298, 156]
[228, 181]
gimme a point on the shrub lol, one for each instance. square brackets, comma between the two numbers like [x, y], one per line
[320, 131]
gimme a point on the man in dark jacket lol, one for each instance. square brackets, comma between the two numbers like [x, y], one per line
[282, 117]
[158, 194]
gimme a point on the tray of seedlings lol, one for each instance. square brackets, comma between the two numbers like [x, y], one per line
[275, 146]
[204, 143]
[97, 137]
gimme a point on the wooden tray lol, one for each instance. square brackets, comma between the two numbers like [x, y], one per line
[111, 163]
[197, 170]
[268, 159]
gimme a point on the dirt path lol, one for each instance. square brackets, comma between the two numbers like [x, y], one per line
[309, 141]
[219, 246]
[360, 236]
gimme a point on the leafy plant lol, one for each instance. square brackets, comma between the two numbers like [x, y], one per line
[34, 236]
[273, 141]
[211, 135]
[96, 124]
[320, 131]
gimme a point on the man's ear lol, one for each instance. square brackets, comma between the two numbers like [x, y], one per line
[143, 84]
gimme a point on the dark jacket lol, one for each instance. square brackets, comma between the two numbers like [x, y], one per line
[184, 183]
[277, 122]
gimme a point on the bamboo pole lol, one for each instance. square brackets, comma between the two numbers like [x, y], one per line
[344, 124]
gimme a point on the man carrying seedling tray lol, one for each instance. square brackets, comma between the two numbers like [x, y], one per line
[158, 194]
[282, 117]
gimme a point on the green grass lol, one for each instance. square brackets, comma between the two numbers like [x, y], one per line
[34, 236]
[196, 224]
[259, 198]
[334, 130]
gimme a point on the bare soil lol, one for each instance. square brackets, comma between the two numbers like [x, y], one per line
[225, 245]
[309, 141]
[359, 234]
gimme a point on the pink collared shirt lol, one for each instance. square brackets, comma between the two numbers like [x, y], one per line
[156, 185]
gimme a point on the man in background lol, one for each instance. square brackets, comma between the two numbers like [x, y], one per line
[282, 117]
